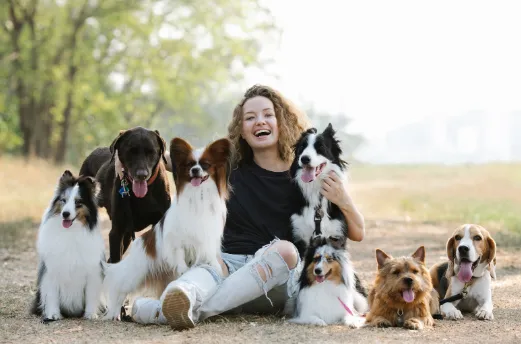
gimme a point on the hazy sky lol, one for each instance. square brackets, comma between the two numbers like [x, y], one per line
[385, 63]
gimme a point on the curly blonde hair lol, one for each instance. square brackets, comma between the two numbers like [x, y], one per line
[291, 122]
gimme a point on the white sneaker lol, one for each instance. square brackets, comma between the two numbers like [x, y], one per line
[147, 311]
[177, 309]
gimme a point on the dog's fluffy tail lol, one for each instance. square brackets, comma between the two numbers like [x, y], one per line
[125, 277]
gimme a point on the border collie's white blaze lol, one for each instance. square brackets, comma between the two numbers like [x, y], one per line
[71, 252]
[315, 156]
[328, 293]
[190, 232]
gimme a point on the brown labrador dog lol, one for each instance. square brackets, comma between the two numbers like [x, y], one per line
[135, 189]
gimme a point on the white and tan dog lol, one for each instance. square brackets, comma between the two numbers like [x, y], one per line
[464, 282]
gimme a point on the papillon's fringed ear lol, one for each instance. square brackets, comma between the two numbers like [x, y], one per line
[179, 153]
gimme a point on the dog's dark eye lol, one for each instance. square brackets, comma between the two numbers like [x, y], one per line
[317, 259]
[396, 272]
[477, 238]
[329, 260]
[63, 200]
[204, 165]
[78, 203]
[457, 237]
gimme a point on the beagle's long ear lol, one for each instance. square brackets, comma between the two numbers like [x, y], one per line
[451, 254]
[491, 256]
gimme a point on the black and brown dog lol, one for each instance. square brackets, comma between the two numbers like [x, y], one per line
[135, 189]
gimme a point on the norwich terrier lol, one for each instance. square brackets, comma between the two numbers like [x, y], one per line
[402, 294]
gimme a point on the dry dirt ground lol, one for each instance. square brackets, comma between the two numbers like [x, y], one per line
[18, 273]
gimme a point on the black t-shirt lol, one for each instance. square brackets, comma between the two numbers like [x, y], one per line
[259, 208]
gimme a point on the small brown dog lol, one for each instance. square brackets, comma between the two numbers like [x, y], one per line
[402, 294]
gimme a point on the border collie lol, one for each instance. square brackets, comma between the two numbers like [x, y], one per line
[315, 156]
[71, 252]
[328, 287]
[190, 232]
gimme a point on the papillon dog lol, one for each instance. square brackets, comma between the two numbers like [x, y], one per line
[71, 252]
[329, 292]
[189, 233]
[315, 156]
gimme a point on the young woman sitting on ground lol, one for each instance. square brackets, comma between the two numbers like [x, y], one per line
[260, 263]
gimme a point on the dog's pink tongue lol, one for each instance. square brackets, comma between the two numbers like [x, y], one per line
[308, 175]
[408, 295]
[196, 181]
[320, 279]
[139, 188]
[465, 272]
[67, 223]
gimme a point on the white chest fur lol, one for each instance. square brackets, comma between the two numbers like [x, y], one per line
[304, 223]
[194, 223]
[325, 303]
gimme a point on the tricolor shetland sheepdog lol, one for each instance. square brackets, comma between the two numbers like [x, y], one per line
[190, 232]
[315, 156]
[71, 252]
[329, 292]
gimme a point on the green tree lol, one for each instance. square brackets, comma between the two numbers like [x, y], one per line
[80, 70]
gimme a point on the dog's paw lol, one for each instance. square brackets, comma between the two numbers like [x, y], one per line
[354, 321]
[111, 317]
[484, 314]
[308, 321]
[90, 316]
[382, 323]
[51, 317]
[453, 314]
[413, 324]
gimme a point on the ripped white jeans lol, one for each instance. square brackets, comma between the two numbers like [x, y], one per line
[245, 291]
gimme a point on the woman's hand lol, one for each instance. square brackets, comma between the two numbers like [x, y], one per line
[336, 192]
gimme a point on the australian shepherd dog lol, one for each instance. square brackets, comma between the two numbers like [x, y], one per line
[328, 290]
[189, 233]
[71, 252]
[315, 156]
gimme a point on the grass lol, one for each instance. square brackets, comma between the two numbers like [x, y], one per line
[486, 194]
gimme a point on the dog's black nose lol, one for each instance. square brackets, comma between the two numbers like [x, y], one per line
[196, 171]
[408, 281]
[141, 174]
[463, 249]
[318, 271]
[66, 214]
[305, 159]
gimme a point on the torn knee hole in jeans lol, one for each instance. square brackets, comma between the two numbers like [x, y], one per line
[263, 270]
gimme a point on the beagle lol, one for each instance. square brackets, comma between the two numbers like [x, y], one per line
[464, 282]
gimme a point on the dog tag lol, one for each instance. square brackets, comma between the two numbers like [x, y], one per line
[399, 320]
[124, 190]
